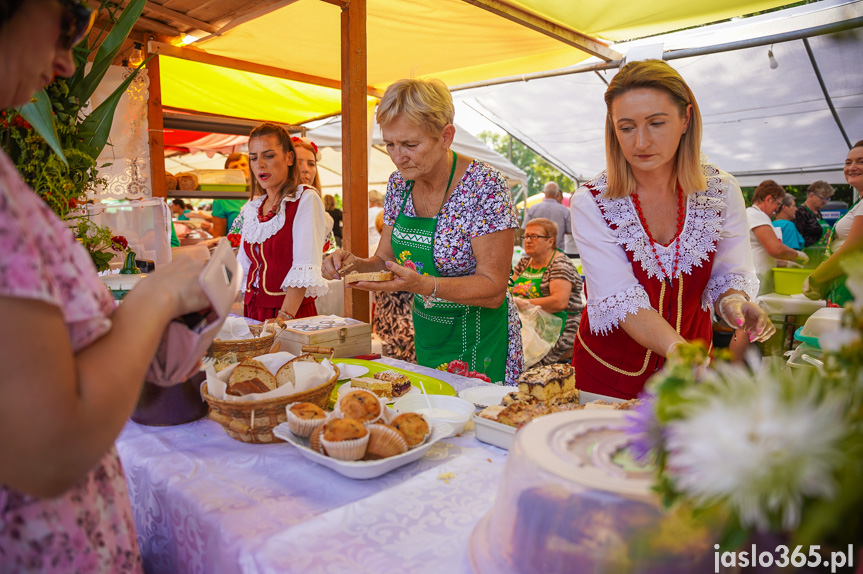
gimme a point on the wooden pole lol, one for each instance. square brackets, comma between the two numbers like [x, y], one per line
[156, 128]
[355, 169]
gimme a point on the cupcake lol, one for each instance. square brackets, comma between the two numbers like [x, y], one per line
[413, 426]
[361, 405]
[384, 441]
[303, 418]
[315, 440]
[345, 439]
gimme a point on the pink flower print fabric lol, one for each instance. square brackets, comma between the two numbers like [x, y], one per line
[90, 527]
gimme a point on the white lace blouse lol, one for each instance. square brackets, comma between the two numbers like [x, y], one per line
[309, 236]
[715, 221]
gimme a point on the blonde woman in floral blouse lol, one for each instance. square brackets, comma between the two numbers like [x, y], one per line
[448, 237]
[72, 366]
[547, 278]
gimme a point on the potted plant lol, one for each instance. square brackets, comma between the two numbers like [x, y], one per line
[55, 144]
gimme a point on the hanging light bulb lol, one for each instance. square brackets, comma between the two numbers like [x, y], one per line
[136, 56]
[773, 63]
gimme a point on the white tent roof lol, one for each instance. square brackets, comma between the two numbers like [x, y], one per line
[328, 138]
[329, 135]
[760, 123]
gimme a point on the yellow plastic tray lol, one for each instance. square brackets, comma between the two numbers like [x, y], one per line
[432, 386]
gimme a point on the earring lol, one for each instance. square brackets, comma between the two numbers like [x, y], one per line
[684, 131]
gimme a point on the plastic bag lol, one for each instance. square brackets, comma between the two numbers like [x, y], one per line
[540, 331]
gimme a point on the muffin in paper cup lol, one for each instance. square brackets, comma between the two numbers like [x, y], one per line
[344, 438]
[303, 418]
[384, 442]
[362, 405]
[414, 427]
[315, 440]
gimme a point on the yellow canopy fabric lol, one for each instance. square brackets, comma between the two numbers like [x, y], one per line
[223, 91]
[619, 20]
[447, 39]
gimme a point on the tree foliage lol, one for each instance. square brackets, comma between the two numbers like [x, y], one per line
[537, 169]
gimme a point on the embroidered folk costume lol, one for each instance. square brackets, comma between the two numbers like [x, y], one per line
[282, 249]
[626, 271]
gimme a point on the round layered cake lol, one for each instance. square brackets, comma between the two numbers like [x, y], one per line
[572, 499]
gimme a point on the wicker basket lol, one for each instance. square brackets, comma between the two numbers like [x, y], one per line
[254, 421]
[245, 348]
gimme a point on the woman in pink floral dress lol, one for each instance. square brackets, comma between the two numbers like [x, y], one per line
[72, 367]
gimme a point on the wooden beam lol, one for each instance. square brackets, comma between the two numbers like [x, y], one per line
[180, 17]
[156, 27]
[561, 33]
[355, 167]
[195, 55]
[339, 3]
[156, 130]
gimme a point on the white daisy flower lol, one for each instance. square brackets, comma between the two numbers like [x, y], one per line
[758, 447]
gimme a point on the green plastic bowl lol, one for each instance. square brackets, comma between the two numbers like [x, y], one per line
[808, 339]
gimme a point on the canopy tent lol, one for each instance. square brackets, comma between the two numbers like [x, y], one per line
[456, 40]
[328, 138]
[760, 122]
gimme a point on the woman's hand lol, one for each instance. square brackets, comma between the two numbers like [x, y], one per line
[522, 303]
[741, 313]
[335, 261]
[404, 279]
[813, 289]
[180, 284]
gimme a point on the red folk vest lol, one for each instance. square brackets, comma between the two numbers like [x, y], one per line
[270, 263]
[614, 364]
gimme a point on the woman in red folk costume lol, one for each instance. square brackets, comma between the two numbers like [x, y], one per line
[663, 238]
[283, 232]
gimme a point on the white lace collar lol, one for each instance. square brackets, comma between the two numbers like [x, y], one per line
[255, 231]
[701, 227]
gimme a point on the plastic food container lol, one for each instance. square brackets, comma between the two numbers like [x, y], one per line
[822, 321]
[789, 280]
[501, 435]
[572, 500]
[461, 409]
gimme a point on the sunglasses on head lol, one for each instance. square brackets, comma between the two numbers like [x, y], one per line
[75, 23]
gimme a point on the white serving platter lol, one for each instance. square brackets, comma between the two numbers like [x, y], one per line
[486, 395]
[363, 469]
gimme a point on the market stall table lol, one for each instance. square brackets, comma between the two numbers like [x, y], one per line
[204, 502]
[788, 312]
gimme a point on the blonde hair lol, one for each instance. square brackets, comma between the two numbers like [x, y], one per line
[548, 227]
[656, 75]
[284, 139]
[424, 102]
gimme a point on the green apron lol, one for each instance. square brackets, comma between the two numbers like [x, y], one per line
[445, 331]
[837, 292]
[527, 285]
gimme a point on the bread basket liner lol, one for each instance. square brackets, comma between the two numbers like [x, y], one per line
[251, 418]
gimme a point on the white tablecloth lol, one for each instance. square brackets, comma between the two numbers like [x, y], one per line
[206, 503]
[776, 304]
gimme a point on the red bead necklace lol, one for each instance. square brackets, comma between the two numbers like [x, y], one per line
[272, 213]
[680, 216]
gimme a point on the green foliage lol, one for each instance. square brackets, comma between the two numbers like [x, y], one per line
[55, 146]
[538, 171]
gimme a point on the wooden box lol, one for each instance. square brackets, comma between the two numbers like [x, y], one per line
[348, 337]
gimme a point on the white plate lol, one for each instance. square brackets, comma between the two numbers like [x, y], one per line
[486, 395]
[364, 469]
[347, 387]
[349, 371]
